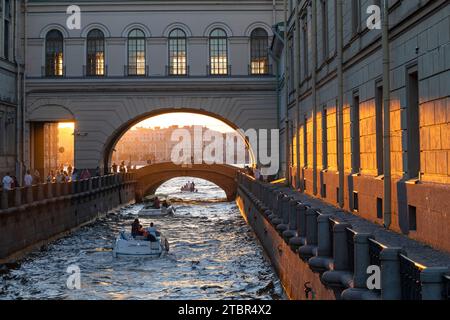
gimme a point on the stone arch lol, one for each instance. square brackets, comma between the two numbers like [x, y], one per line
[219, 25]
[50, 113]
[177, 25]
[151, 177]
[53, 26]
[119, 132]
[92, 26]
[140, 26]
[256, 25]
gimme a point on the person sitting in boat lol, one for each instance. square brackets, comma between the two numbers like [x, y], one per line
[136, 229]
[151, 233]
[156, 203]
[165, 204]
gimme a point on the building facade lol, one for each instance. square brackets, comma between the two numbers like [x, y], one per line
[138, 59]
[390, 165]
[11, 85]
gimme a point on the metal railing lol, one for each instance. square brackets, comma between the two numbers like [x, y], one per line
[220, 71]
[410, 278]
[93, 72]
[132, 71]
[446, 293]
[27, 195]
[173, 71]
[49, 72]
[267, 70]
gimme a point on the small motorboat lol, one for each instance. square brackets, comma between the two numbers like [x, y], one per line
[126, 245]
[188, 189]
[150, 211]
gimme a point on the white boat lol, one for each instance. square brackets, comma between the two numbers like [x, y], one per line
[126, 245]
[149, 211]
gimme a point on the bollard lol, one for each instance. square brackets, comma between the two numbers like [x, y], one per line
[49, 187]
[390, 274]
[340, 249]
[432, 280]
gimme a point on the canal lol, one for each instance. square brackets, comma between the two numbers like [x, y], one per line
[213, 255]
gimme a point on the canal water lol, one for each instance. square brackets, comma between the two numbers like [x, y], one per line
[213, 255]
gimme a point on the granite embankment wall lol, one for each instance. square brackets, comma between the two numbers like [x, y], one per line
[33, 216]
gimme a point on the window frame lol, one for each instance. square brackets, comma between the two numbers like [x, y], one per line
[222, 47]
[183, 46]
[52, 68]
[137, 45]
[92, 67]
[257, 52]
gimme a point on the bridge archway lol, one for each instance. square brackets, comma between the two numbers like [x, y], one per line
[151, 177]
[124, 128]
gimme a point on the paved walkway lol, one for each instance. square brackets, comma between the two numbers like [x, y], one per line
[417, 251]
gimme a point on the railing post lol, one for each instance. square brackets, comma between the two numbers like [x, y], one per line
[18, 197]
[340, 250]
[40, 192]
[306, 251]
[362, 259]
[324, 248]
[4, 200]
[390, 274]
[432, 280]
[49, 190]
[29, 195]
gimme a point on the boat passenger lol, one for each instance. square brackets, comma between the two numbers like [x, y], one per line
[156, 203]
[165, 204]
[136, 229]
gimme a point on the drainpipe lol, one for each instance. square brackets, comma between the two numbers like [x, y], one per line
[340, 80]
[387, 113]
[277, 75]
[297, 92]
[274, 12]
[286, 86]
[19, 100]
[314, 92]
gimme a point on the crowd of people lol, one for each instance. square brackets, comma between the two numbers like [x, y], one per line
[189, 186]
[62, 175]
[122, 168]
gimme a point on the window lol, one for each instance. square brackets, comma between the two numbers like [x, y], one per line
[218, 52]
[413, 151]
[356, 162]
[324, 30]
[259, 52]
[379, 208]
[356, 16]
[54, 54]
[136, 53]
[177, 53]
[379, 127]
[95, 56]
[355, 201]
[412, 217]
[305, 140]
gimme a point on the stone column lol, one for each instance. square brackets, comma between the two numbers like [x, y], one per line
[390, 274]
[432, 280]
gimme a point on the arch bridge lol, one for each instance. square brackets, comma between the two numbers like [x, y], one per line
[151, 177]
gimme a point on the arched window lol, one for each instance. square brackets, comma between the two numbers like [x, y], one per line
[259, 51]
[136, 53]
[95, 55]
[54, 54]
[218, 52]
[177, 52]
